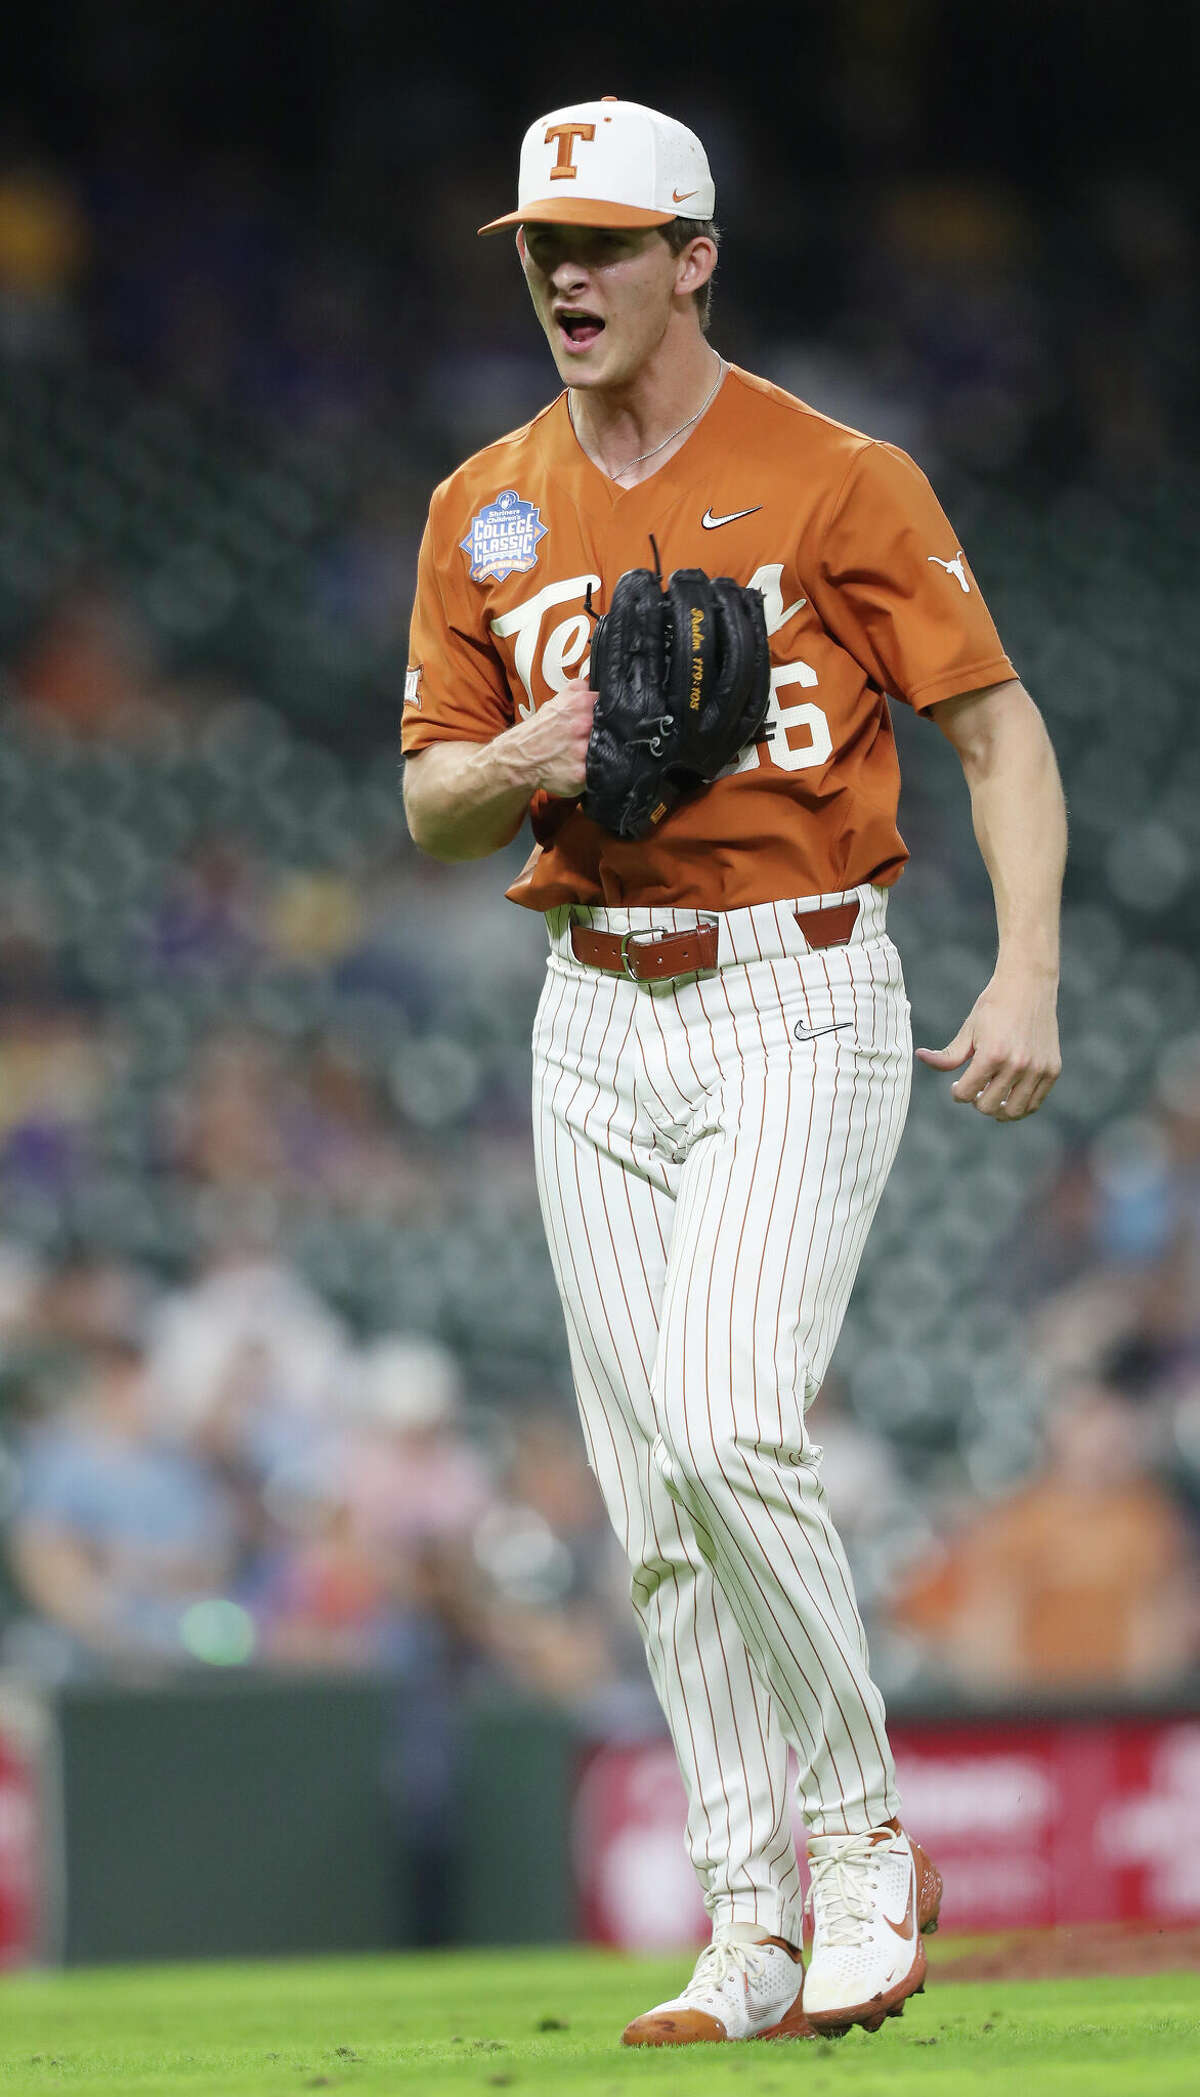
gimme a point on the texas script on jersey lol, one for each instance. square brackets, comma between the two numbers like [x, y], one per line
[862, 584]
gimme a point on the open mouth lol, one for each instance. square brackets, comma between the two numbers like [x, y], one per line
[578, 329]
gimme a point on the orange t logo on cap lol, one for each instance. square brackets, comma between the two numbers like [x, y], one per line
[564, 169]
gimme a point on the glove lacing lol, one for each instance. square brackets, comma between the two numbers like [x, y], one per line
[654, 738]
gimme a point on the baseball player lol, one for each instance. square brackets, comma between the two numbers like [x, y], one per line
[722, 1050]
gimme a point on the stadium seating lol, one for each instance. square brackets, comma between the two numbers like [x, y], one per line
[272, 738]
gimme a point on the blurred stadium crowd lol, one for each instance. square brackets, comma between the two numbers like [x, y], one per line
[281, 1368]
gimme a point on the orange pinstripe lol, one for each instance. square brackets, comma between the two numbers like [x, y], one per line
[707, 1186]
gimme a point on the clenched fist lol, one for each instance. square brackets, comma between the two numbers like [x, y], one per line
[554, 740]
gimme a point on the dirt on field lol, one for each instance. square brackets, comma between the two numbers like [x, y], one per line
[1079, 1952]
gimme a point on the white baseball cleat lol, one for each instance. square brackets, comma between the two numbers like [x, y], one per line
[872, 1897]
[744, 1987]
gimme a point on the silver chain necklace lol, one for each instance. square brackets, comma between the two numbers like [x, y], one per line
[654, 450]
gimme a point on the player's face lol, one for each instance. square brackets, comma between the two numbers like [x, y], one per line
[604, 298]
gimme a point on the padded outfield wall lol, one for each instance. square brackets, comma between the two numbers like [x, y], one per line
[256, 1816]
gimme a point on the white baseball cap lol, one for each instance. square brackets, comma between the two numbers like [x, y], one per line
[609, 163]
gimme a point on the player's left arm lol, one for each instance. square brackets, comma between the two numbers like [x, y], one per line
[1009, 1040]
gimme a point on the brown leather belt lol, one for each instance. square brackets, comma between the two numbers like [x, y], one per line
[650, 957]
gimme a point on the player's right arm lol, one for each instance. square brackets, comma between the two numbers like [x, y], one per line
[473, 761]
[464, 800]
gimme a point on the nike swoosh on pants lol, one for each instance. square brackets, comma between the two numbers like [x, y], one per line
[803, 1033]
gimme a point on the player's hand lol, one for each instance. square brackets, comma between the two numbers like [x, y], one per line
[555, 739]
[1011, 1039]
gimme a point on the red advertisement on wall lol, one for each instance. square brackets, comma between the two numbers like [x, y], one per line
[25, 1878]
[1031, 1824]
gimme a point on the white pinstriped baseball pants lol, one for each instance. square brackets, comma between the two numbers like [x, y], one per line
[708, 1175]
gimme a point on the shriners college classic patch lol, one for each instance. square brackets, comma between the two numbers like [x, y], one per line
[503, 538]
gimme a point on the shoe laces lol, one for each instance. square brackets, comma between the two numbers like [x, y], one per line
[841, 1888]
[727, 1956]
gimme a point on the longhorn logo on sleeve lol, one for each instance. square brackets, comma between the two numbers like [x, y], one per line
[954, 568]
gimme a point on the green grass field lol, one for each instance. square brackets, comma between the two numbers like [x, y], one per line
[550, 2021]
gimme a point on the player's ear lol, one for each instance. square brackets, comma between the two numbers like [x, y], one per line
[695, 265]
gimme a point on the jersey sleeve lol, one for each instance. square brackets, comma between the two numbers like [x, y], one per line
[892, 584]
[455, 689]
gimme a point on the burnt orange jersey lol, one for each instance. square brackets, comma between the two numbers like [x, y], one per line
[866, 590]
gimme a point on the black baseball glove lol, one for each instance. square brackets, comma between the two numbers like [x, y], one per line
[683, 678]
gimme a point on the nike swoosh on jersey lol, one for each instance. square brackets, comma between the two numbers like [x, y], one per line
[906, 1927]
[713, 524]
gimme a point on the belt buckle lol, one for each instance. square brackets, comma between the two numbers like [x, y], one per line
[624, 951]
[652, 938]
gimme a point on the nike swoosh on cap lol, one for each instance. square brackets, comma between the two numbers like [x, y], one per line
[712, 524]
[680, 196]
